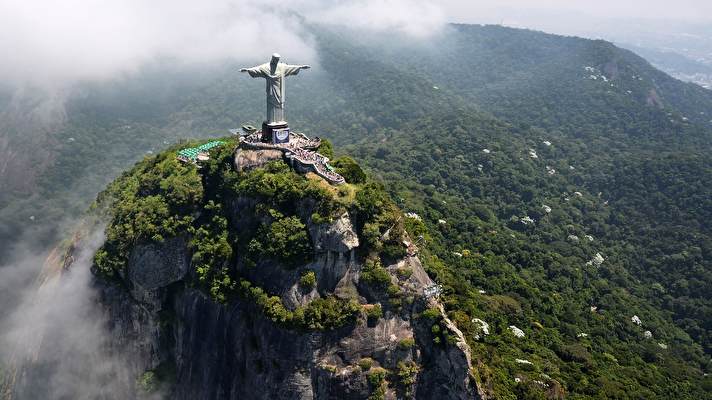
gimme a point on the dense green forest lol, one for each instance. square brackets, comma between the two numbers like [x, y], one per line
[565, 185]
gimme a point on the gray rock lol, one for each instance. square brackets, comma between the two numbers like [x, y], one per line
[248, 159]
[234, 352]
[338, 236]
[154, 266]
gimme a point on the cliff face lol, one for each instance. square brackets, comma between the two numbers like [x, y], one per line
[234, 352]
[195, 347]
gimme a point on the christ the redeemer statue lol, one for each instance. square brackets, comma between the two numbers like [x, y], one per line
[274, 73]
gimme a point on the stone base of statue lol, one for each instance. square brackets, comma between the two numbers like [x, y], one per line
[275, 132]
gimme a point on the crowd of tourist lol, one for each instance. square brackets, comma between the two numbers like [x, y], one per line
[298, 146]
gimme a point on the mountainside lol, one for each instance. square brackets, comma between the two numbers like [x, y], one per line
[231, 282]
[561, 186]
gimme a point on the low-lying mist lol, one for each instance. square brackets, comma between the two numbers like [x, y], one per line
[54, 339]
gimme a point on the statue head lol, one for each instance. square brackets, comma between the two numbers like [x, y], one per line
[275, 58]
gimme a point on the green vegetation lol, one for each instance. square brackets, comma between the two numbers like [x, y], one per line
[653, 266]
[373, 273]
[308, 280]
[319, 315]
[377, 382]
[373, 312]
[407, 372]
[440, 333]
[379, 221]
[431, 314]
[155, 380]
[153, 201]
[326, 149]
[641, 140]
[285, 239]
[279, 188]
[161, 198]
[633, 165]
[365, 363]
[406, 343]
[331, 368]
[349, 169]
[147, 382]
[328, 313]
[404, 272]
[211, 251]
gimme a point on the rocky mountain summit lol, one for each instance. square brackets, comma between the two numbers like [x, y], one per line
[244, 279]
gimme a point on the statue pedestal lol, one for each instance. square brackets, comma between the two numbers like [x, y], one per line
[276, 133]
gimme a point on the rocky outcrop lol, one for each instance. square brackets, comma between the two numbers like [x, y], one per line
[338, 236]
[248, 159]
[154, 266]
[232, 351]
[450, 377]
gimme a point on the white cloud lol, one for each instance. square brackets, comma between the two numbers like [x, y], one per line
[63, 41]
[658, 9]
[417, 18]
[54, 337]
[52, 43]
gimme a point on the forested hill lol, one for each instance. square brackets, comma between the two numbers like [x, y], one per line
[565, 85]
[566, 185]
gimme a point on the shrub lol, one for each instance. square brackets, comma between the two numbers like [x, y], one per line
[148, 382]
[374, 274]
[393, 291]
[308, 280]
[281, 188]
[573, 352]
[285, 239]
[431, 314]
[394, 251]
[406, 343]
[374, 312]
[404, 272]
[211, 249]
[155, 200]
[326, 149]
[407, 372]
[329, 313]
[365, 363]
[350, 170]
[378, 393]
[377, 376]
[378, 221]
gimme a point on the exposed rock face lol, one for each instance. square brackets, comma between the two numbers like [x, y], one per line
[338, 236]
[254, 158]
[152, 267]
[233, 351]
[450, 378]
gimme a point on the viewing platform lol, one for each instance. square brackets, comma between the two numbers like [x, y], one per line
[301, 153]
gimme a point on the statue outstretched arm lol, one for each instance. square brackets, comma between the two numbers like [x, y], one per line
[255, 72]
[294, 69]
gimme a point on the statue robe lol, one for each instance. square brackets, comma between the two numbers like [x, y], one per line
[274, 87]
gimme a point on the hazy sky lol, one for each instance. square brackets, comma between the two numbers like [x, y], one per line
[59, 42]
[55, 42]
[700, 10]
